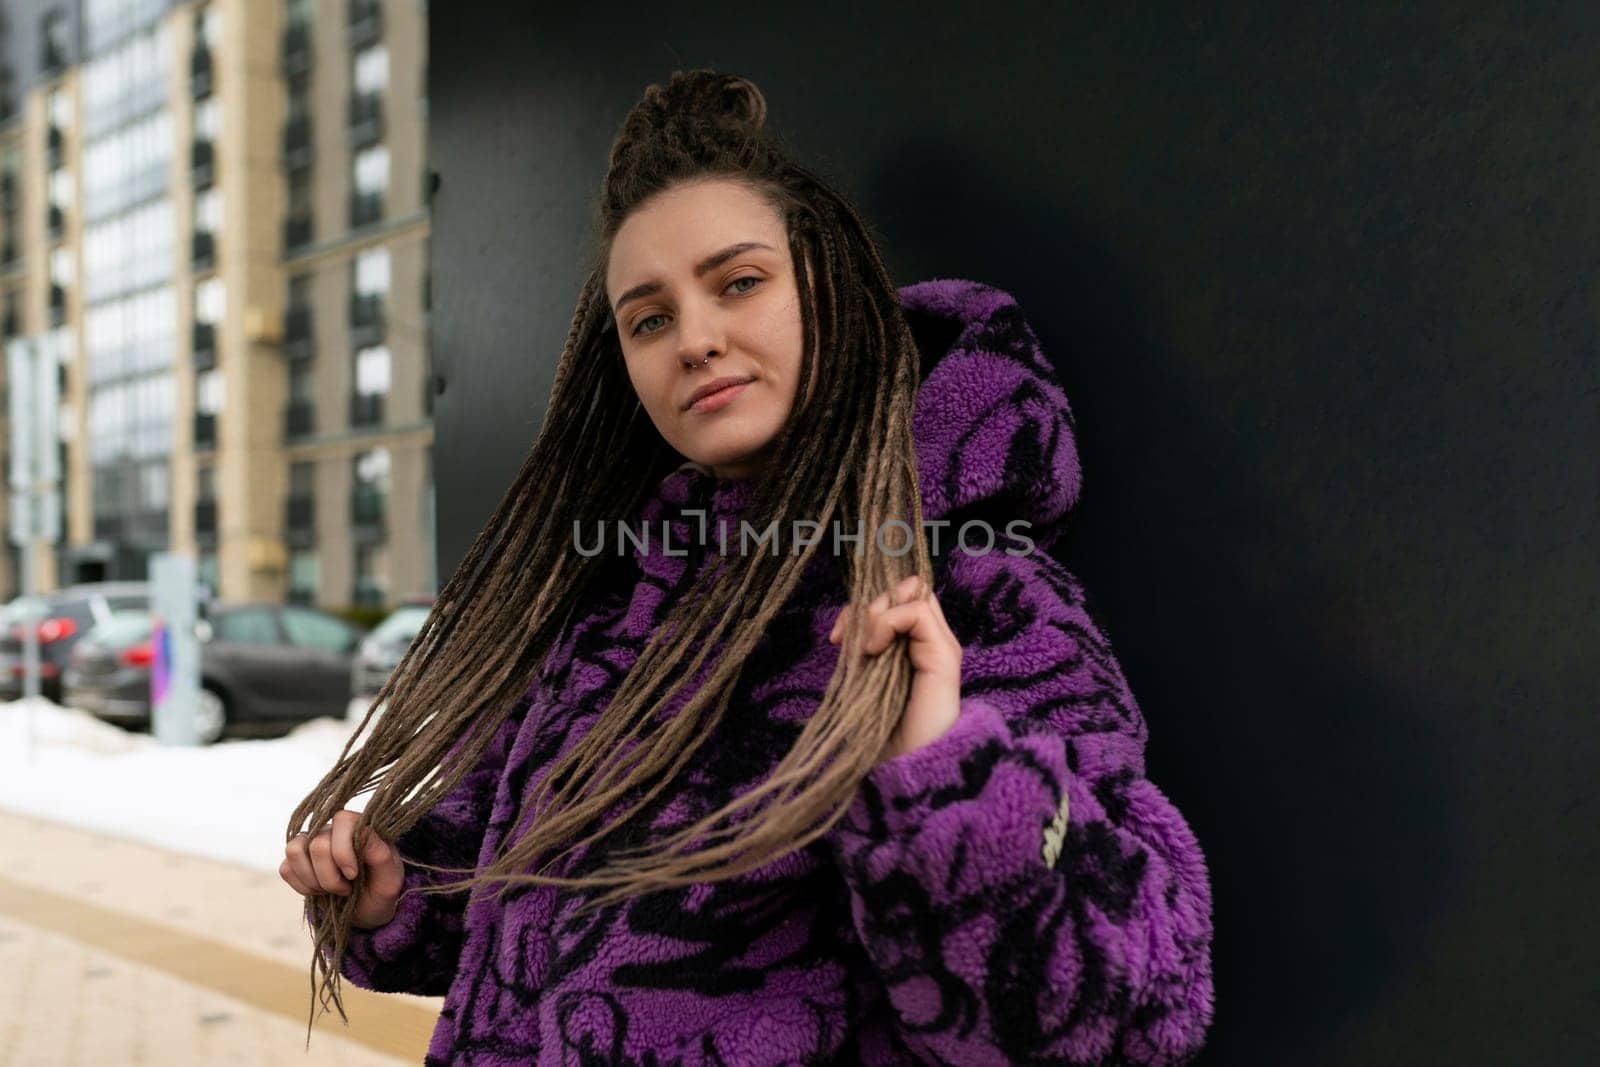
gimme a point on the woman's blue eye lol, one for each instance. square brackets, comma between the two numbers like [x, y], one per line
[637, 330]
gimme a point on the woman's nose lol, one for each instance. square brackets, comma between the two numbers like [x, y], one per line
[700, 334]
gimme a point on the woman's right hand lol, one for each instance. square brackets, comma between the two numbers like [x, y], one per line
[326, 862]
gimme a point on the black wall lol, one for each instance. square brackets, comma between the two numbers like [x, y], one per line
[1323, 291]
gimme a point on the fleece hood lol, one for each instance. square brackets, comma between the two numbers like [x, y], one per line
[992, 426]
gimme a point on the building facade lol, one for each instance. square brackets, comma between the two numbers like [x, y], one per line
[219, 218]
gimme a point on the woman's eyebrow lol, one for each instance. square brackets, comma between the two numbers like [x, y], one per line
[710, 263]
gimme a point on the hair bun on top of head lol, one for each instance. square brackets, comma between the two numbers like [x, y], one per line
[692, 105]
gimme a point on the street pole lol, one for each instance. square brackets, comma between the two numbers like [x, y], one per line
[33, 370]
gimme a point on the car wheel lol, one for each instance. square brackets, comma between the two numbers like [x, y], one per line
[210, 716]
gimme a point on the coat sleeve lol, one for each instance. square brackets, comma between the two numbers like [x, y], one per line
[419, 949]
[1003, 931]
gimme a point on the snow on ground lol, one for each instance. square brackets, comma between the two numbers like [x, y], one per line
[230, 801]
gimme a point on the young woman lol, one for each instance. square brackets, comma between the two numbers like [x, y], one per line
[822, 792]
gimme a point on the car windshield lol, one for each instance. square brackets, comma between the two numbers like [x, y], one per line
[403, 625]
[123, 628]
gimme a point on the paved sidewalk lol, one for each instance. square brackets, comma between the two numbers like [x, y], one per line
[119, 953]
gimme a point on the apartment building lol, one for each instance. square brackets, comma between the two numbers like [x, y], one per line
[230, 255]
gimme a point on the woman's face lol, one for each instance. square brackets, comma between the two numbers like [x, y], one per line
[703, 270]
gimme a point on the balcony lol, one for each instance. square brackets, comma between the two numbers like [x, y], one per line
[205, 346]
[297, 333]
[296, 233]
[297, 142]
[203, 251]
[205, 518]
[298, 419]
[295, 57]
[365, 23]
[201, 158]
[366, 120]
[200, 73]
[365, 209]
[53, 148]
[366, 409]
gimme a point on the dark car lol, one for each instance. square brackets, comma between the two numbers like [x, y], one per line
[382, 649]
[61, 619]
[262, 667]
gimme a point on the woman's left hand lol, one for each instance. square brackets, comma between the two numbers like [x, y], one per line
[935, 699]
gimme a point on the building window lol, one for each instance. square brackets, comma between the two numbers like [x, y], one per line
[208, 216]
[372, 371]
[371, 575]
[55, 33]
[300, 514]
[153, 486]
[61, 266]
[211, 27]
[368, 502]
[128, 252]
[61, 189]
[372, 272]
[300, 193]
[210, 300]
[131, 335]
[60, 110]
[131, 419]
[206, 570]
[372, 471]
[303, 576]
[370, 182]
[372, 169]
[371, 73]
[208, 392]
[208, 120]
[302, 479]
[301, 382]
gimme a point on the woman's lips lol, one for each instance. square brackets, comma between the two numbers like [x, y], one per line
[719, 399]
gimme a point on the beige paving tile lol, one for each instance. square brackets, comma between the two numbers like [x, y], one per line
[248, 909]
[178, 930]
[64, 1004]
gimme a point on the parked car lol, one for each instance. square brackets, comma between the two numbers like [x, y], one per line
[62, 619]
[262, 667]
[381, 650]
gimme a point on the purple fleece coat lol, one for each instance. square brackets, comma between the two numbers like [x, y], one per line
[951, 917]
